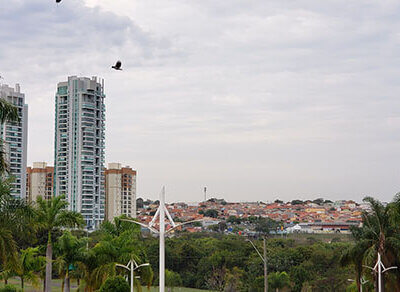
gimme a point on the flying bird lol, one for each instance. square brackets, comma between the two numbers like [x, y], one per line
[117, 66]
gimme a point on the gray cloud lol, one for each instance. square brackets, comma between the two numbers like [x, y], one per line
[256, 99]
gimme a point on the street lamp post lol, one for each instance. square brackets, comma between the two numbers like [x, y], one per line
[264, 259]
[132, 266]
[161, 212]
[380, 269]
[362, 282]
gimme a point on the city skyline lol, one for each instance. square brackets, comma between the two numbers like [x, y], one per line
[262, 101]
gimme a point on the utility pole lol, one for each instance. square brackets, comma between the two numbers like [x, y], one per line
[264, 259]
[162, 240]
[265, 268]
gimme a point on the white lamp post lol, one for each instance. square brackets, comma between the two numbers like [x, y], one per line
[362, 282]
[132, 266]
[378, 268]
[161, 212]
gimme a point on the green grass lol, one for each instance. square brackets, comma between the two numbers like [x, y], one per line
[177, 289]
[57, 287]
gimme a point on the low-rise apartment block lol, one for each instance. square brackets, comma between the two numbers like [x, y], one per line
[39, 181]
[120, 185]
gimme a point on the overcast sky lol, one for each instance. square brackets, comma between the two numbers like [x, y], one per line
[257, 100]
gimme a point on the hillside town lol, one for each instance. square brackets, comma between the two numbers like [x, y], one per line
[317, 216]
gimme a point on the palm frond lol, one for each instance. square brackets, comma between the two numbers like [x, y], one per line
[8, 112]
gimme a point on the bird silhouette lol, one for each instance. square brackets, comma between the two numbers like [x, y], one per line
[117, 66]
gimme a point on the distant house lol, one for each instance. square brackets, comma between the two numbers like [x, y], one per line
[208, 221]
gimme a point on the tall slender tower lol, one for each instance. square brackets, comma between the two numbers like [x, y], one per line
[79, 147]
[15, 137]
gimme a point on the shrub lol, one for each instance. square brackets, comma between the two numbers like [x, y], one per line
[8, 288]
[115, 284]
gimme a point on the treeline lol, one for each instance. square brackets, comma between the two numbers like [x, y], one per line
[44, 241]
[230, 263]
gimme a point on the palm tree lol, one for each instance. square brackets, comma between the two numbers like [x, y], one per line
[119, 244]
[355, 254]
[70, 250]
[51, 215]
[380, 233]
[29, 265]
[15, 222]
[278, 280]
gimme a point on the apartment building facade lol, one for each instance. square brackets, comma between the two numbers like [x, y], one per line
[80, 146]
[120, 191]
[39, 181]
[15, 138]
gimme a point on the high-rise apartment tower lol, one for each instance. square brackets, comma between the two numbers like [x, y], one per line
[39, 181]
[120, 191]
[79, 146]
[15, 137]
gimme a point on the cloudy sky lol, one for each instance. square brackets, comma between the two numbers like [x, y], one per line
[256, 100]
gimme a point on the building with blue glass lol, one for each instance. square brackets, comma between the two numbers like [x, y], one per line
[79, 146]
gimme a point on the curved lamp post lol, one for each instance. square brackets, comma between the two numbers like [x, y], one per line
[378, 268]
[161, 212]
[362, 282]
[132, 266]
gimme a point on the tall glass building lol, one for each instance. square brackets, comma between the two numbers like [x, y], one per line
[79, 146]
[15, 139]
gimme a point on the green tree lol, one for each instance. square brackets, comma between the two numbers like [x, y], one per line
[15, 222]
[265, 225]
[233, 281]
[299, 274]
[119, 243]
[318, 201]
[29, 265]
[8, 288]
[115, 284]
[70, 250]
[278, 280]
[52, 214]
[211, 213]
[380, 233]
[233, 220]
[324, 267]
[216, 281]
[172, 279]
